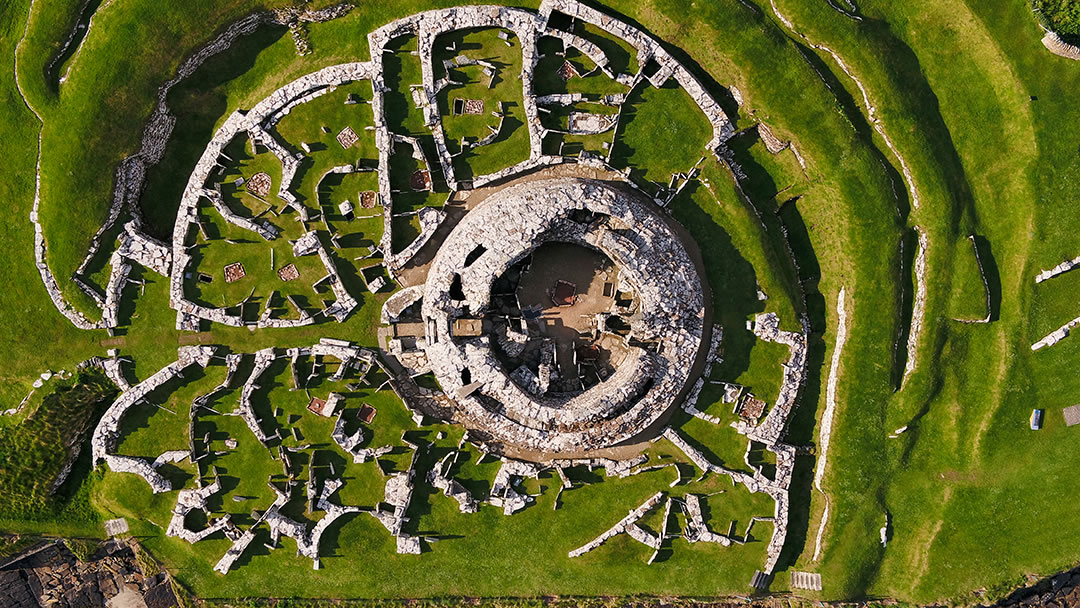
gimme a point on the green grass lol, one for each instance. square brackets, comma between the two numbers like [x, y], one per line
[592, 83]
[969, 488]
[584, 511]
[968, 300]
[1062, 16]
[622, 58]
[34, 452]
[402, 165]
[661, 132]
[511, 146]
[559, 118]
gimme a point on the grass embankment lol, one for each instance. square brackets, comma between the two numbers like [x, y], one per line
[969, 459]
[153, 321]
[51, 442]
[975, 385]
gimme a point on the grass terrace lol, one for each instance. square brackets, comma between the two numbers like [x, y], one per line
[317, 123]
[260, 267]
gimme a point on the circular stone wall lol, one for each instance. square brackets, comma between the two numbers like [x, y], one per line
[660, 329]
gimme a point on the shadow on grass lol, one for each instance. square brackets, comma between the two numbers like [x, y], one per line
[905, 303]
[992, 275]
[731, 278]
[198, 103]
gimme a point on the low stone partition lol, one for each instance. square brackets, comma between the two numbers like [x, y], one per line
[397, 495]
[242, 539]
[307, 542]
[771, 429]
[776, 488]
[584, 45]
[1057, 335]
[440, 479]
[626, 525]
[140, 467]
[649, 48]
[918, 312]
[263, 360]
[1059, 47]
[190, 500]
[696, 528]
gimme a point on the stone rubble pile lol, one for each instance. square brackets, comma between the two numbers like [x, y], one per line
[1057, 335]
[503, 493]
[49, 574]
[1061, 268]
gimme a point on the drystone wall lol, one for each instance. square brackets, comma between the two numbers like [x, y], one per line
[509, 225]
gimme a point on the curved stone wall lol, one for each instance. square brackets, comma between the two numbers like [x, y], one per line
[664, 339]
